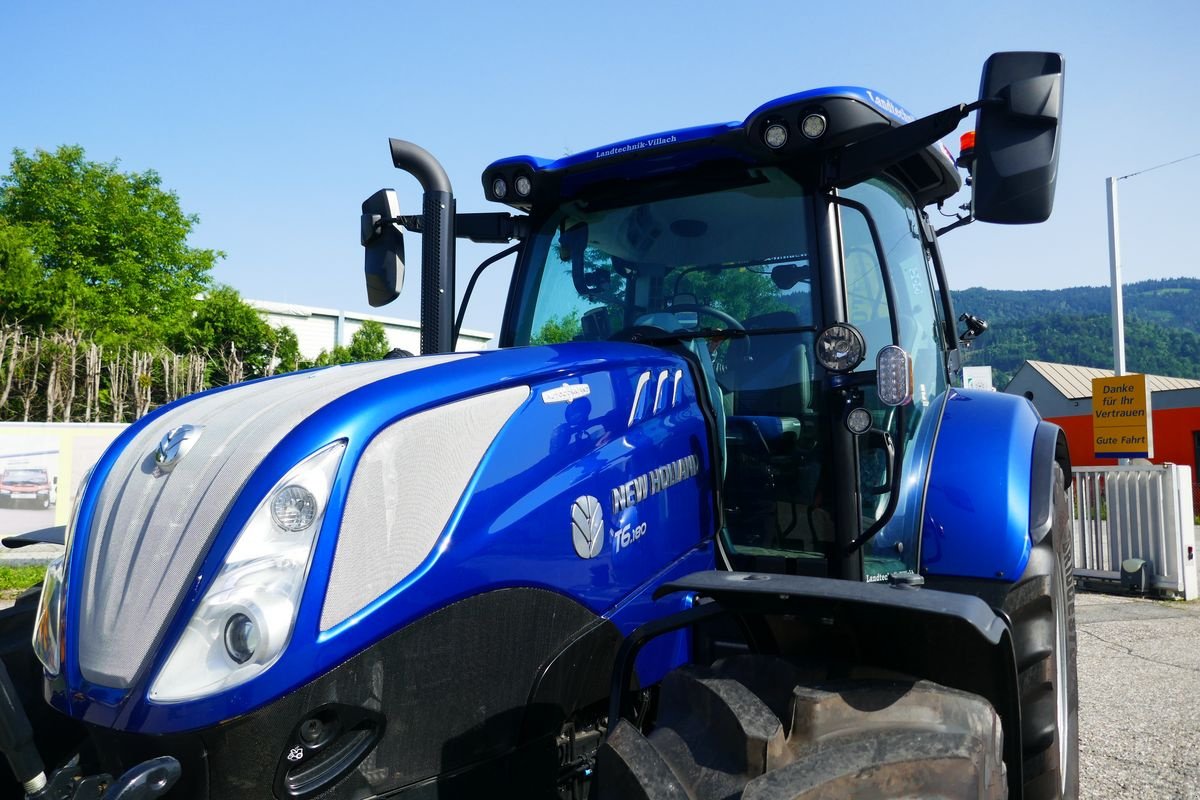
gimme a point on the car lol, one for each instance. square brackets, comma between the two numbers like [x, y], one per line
[28, 485]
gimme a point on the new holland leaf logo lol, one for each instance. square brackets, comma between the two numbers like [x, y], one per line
[587, 526]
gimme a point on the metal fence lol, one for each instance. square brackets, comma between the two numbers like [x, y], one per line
[1136, 511]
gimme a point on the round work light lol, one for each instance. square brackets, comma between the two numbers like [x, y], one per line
[841, 347]
[858, 421]
[776, 135]
[813, 126]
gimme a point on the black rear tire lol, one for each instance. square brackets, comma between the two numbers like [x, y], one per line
[1041, 607]
[757, 727]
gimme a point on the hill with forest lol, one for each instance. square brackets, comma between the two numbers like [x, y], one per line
[1073, 326]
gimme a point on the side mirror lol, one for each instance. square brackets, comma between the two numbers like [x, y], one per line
[383, 238]
[573, 244]
[1017, 137]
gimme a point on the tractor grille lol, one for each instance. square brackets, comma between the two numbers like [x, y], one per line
[149, 533]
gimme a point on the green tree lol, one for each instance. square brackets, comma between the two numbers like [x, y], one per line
[557, 330]
[287, 349]
[369, 343]
[340, 354]
[23, 293]
[226, 327]
[739, 292]
[111, 248]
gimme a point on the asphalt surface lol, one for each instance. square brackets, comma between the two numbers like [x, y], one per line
[1139, 692]
[1139, 697]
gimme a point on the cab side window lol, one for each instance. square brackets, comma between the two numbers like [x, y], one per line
[896, 218]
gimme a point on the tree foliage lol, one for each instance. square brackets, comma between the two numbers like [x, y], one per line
[110, 249]
[368, 343]
[224, 327]
[557, 330]
[1074, 326]
[105, 310]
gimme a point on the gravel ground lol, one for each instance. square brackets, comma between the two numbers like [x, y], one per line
[1139, 697]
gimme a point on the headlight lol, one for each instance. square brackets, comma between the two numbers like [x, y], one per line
[47, 624]
[840, 347]
[245, 620]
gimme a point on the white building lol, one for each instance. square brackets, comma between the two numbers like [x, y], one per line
[320, 329]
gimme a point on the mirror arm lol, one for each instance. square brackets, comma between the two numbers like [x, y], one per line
[462, 309]
[868, 157]
[491, 228]
[482, 228]
[958, 223]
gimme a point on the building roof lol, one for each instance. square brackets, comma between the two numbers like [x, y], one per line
[1075, 383]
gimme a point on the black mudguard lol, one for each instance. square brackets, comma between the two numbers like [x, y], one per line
[954, 639]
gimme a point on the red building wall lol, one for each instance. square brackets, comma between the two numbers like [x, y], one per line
[1175, 441]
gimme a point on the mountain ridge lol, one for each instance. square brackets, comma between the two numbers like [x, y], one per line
[1073, 326]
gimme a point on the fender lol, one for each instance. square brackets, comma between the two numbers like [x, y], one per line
[990, 486]
[950, 638]
[1049, 448]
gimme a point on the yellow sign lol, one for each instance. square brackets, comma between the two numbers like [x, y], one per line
[1121, 423]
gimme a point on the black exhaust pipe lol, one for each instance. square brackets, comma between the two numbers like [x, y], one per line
[437, 245]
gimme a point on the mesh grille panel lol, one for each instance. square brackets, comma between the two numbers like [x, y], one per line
[405, 488]
[432, 297]
[149, 533]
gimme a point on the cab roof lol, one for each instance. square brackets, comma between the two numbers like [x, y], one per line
[850, 113]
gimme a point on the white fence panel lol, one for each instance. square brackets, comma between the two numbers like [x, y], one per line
[1135, 511]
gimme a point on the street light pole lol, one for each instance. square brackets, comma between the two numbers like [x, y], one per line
[1114, 263]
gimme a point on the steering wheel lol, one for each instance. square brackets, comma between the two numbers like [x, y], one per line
[739, 347]
[739, 351]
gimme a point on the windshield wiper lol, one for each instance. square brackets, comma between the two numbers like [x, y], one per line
[714, 333]
[663, 337]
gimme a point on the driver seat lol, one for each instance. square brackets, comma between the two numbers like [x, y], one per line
[776, 379]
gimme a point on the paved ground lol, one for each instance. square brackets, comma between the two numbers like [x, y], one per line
[30, 554]
[1139, 697]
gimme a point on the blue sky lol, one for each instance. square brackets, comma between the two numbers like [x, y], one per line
[271, 120]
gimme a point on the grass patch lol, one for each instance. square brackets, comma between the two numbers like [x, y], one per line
[20, 578]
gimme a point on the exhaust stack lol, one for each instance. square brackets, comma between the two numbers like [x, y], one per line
[437, 246]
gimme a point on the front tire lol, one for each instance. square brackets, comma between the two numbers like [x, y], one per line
[1041, 607]
[755, 727]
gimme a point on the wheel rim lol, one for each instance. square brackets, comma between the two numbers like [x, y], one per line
[1061, 702]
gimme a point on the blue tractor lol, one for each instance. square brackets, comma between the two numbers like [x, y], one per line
[712, 522]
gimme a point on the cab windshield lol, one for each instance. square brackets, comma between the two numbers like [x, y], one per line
[730, 274]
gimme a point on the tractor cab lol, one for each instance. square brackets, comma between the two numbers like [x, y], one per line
[789, 257]
[793, 300]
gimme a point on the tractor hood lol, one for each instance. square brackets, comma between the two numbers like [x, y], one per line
[163, 499]
[456, 472]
